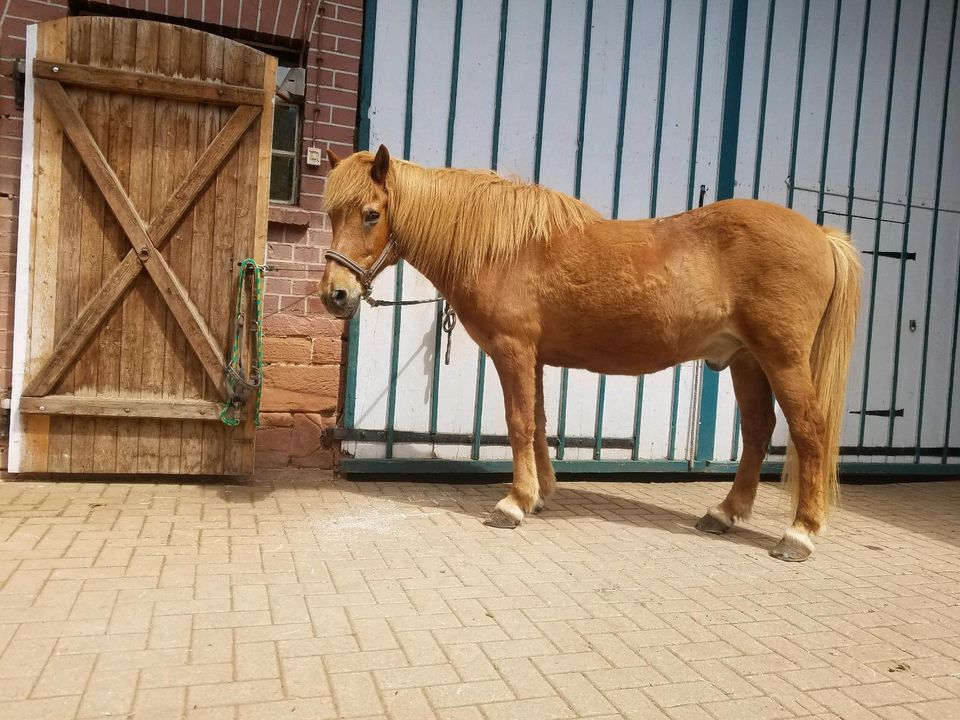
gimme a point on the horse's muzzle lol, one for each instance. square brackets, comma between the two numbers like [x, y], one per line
[340, 303]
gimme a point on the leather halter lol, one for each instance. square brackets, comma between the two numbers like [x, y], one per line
[365, 276]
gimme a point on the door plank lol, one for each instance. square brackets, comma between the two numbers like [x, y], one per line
[68, 281]
[138, 83]
[161, 185]
[107, 407]
[115, 246]
[44, 246]
[224, 241]
[191, 64]
[264, 156]
[239, 454]
[211, 459]
[95, 121]
[134, 302]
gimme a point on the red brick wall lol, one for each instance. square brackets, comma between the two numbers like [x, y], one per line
[303, 345]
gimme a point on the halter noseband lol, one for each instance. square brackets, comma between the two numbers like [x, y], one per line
[366, 276]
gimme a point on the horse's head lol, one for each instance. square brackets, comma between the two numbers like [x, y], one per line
[357, 203]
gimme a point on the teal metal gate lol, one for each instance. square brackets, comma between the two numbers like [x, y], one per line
[847, 111]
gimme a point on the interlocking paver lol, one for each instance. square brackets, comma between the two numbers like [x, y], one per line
[296, 595]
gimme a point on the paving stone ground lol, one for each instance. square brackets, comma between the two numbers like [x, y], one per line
[295, 595]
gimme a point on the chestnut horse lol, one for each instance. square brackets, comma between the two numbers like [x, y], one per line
[539, 278]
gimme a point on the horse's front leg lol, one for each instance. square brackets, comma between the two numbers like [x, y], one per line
[516, 367]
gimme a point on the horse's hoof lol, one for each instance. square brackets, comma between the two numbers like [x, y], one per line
[499, 519]
[709, 524]
[793, 547]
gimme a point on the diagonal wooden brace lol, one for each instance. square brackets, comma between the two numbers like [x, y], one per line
[146, 243]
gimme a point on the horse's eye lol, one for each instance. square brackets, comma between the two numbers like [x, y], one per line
[370, 217]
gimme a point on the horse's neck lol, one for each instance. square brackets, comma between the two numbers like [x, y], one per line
[446, 285]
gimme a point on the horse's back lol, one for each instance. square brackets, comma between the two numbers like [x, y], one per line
[679, 287]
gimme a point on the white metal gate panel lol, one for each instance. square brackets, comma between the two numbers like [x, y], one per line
[621, 102]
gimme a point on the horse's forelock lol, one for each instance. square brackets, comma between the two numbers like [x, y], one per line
[349, 183]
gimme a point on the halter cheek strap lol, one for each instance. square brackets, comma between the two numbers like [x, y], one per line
[366, 276]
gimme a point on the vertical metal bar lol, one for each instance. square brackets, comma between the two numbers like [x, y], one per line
[577, 181]
[695, 127]
[661, 92]
[828, 120]
[727, 164]
[622, 119]
[494, 160]
[654, 181]
[726, 182]
[478, 405]
[544, 58]
[933, 236]
[637, 420]
[953, 368]
[363, 139]
[411, 70]
[906, 222]
[707, 414]
[394, 363]
[674, 412]
[757, 165]
[764, 85]
[801, 61]
[598, 425]
[454, 81]
[451, 122]
[398, 282]
[879, 224]
[856, 116]
[435, 385]
[617, 174]
[498, 100]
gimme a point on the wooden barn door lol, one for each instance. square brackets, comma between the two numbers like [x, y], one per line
[149, 159]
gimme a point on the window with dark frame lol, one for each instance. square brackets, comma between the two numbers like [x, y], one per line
[287, 124]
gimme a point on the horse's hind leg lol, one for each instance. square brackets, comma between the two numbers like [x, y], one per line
[545, 474]
[794, 389]
[517, 369]
[757, 421]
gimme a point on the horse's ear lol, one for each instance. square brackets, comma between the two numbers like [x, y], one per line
[332, 157]
[381, 164]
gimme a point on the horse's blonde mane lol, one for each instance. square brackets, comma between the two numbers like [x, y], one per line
[452, 222]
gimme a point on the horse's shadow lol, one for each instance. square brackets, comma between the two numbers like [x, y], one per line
[573, 504]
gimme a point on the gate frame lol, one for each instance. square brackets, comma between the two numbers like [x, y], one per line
[703, 445]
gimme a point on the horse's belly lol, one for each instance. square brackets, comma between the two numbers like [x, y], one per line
[637, 348]
[611, 349]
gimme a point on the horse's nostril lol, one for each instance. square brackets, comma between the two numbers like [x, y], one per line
[338, 296]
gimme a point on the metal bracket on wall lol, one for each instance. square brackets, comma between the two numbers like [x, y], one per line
[19, 75]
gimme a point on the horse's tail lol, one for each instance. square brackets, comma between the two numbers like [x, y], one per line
[829, 363]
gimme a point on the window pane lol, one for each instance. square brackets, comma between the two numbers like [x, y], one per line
[282, 179]
[285, 127]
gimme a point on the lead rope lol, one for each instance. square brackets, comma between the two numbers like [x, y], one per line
[239, 385]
